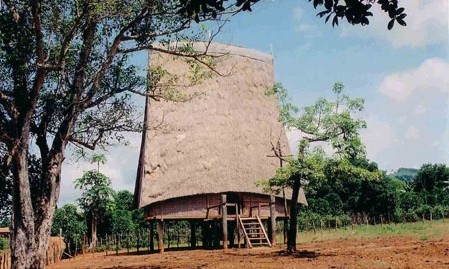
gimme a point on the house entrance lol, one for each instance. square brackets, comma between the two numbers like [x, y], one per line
[233, 198]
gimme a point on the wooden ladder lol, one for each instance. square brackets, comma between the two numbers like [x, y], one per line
[253, 231]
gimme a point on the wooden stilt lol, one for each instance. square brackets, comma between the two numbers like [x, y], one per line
[232, 228]
[204, 234]
[285, 230]
[237, 220]
[192, 234]
[272, 230]
[151, 236]
[224, 216]
[160, 236]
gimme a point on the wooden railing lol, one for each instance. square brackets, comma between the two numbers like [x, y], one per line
[259, 207]
[226, 205]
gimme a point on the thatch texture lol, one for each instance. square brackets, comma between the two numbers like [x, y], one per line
[217, 142]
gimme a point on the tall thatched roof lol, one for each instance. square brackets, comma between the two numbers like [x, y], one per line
[218, 141]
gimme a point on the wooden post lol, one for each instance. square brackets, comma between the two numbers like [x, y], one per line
[224, 217]
[116, 244]
[160, 236]
[237, 220]
[76, 249]
[138, 240]
[204, 234]
[285, 230]
[321, 226]
[151, 235]
[272, 230]
[192, 234]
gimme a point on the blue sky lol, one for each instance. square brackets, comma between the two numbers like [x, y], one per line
[402, 74]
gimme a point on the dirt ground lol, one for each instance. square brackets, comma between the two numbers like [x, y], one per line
[381, 252]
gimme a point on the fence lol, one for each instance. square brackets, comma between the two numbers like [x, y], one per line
[314, 222]
[55, 249]
[5, 260]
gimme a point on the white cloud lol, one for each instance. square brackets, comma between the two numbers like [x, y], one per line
[298, 13]
[421, 108]
[416, 107]
[427, 23]
[301, 25]
[412, 133]
[430, 77]
[378, 136]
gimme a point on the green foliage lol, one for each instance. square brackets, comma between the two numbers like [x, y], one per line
[122, 221]
[71, 222]
[431, 177]
[97, 192]
[122, 218]
[346, 183]
[287, 110]
[97, 197]
[123, 200]
[440, 211]
[324, 121]
[4, 244]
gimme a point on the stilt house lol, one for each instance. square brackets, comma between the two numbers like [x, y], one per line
[206, 155]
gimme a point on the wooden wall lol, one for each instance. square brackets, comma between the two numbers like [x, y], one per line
[195, 207]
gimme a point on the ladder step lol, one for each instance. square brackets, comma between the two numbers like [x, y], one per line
[254, 231]
[257, 238]
[250, 218]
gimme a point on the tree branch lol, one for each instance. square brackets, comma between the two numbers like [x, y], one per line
[9, 106]
[112, 52]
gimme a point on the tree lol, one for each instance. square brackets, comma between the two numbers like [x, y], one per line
[68, 220]
[65, 78]
[122, 217]
[325, 121]
[99, 159]
[431, 178]
[95, 200]
[5, 187]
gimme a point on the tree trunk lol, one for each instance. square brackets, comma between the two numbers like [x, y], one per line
[93, 240]
[292, 229]
[32, 220]
[22, 239]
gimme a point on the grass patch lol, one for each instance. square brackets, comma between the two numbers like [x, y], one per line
[422, 231]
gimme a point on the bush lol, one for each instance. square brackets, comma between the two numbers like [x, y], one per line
[440, 211]
[3, 244]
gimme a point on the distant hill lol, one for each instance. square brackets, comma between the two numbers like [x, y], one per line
[406, 174]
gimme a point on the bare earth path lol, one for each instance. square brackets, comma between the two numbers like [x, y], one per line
[385, 252]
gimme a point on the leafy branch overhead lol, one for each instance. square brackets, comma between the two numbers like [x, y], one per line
[358, 11]
[354, 11]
